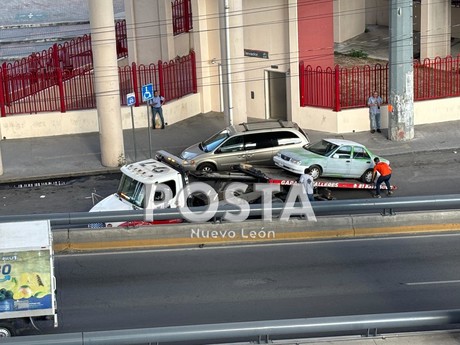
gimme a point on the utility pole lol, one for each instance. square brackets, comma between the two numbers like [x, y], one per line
[401, 100]
[227, 75]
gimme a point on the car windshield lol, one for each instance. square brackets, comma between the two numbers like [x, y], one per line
[323, 148]
[131, 190]
[210, 144]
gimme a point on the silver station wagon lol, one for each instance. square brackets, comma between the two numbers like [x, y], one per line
[253, 143]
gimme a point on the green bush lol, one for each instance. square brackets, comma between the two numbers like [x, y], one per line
[358, 53]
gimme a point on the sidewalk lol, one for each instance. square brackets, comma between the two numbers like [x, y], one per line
[79, 155]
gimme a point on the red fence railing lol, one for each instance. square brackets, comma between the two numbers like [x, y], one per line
[343, 88]
[38, 72]
[174, 79]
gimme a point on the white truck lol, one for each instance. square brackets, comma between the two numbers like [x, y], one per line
[27, 282]
[137, 190]
[138, 181]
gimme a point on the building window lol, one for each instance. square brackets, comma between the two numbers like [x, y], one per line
[181, 16]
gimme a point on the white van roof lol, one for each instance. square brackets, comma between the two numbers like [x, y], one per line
[25, 235]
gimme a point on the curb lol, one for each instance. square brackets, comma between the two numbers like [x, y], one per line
[53, 177]
[250, 232]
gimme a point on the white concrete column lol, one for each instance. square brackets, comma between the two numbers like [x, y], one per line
[106, 82]
[435, 28]
[237, 59]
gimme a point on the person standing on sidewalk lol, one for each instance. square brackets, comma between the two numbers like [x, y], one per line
[307, 181]
[385, 175]
[156, 104]
[374, 102]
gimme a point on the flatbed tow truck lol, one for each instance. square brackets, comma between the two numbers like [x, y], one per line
[137, 189]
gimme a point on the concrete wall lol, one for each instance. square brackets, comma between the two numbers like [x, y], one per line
[377, 12]
[349, 19]
[345, 121]
[265, 32]
[357, 120]
[345, 226]
[85, 121]
[316, 32]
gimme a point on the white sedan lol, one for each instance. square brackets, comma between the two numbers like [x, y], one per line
[330, 158]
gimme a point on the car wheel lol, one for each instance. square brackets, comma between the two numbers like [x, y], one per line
[367, 176]
[315, 171]
[207, 167]
[5, 332]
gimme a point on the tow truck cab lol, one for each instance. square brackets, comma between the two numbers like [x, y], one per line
[137, 185]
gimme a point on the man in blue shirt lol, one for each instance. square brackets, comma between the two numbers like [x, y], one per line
[155, 103]
[374, 102]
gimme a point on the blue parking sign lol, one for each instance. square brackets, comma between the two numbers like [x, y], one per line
[147, 92]
[130, 99]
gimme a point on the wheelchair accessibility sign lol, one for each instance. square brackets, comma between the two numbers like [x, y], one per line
[147, 92]
[130, 99]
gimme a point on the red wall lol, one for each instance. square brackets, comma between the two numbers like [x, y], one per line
[316, 32]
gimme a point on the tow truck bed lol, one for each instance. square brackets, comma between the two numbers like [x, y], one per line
[283, 177]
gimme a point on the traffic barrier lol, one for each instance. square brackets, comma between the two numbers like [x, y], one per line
[253, 231]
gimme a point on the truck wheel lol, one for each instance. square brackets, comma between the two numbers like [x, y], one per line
[315, 171]
[207, 167]
[367, 176]
[5, 331]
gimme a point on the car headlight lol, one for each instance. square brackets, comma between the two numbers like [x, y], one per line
[295, 161]
[278, 154]
[188, 162]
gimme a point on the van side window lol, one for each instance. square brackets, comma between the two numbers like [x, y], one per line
[233, 144]
[258, 141]
[282, 138]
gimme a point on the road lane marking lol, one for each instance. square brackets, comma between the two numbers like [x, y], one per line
[434, 282]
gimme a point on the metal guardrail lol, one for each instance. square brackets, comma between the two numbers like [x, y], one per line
[250, 331]
[321, 208]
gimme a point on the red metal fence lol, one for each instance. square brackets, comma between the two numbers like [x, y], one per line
[174, 79]
[344, 88]
[57, 89]
[61, 78]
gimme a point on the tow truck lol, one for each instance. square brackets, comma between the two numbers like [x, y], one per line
[138, 186]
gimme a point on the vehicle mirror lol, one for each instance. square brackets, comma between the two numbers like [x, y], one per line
[335, 155]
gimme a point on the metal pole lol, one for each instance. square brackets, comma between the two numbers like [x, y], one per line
[401, 105]
[150, 131]
[134, 134]
[227, 64]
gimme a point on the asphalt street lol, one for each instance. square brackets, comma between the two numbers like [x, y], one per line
[212, 285]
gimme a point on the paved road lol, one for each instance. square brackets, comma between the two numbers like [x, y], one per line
[227, 284]
[428, 173]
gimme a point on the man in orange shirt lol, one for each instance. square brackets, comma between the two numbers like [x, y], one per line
[385, 174]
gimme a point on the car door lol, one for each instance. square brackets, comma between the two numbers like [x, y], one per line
[258, 148]
[361, 161]
[339, 163]
[230, 152]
